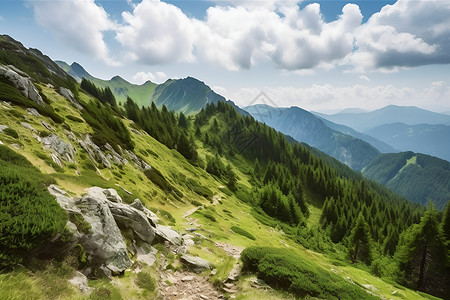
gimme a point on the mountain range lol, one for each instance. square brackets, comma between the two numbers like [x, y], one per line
[146, 203]
[187, 95]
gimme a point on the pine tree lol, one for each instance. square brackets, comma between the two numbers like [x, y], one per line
[422, 255]
[182, 121]
[446, 222]
[360, 242]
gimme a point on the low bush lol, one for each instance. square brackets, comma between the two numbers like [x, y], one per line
[11, 132]
[286, 270]
[75, 119]
[242, 232]
[29, 215]
[145, 281]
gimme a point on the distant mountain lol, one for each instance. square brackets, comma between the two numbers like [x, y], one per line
[429, 139]
[410, 115]
[305, 127]
[119, 86]
[187, 95]
[381, 146]
[417, 177]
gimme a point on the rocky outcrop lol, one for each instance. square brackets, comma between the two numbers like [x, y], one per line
[140, 163]
[70, 96]
[131, 218]
[104, 243]
[62, 150]
[22, 83]
[94, 151]
[151, 216]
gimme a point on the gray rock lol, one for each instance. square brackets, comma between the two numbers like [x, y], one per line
[33, 112]
[152, 217]
[48, 126]
[80, 281]
[187, 278]
[3, 127]
[197, 264]
[129, 217]
[141, 164]
[104, 244]
[114, 156]
[61, 149]
[28, 126]
[22, 83]
[112, 195]
[146, 254]
[94, 152]
[70, 96]
[165, 233]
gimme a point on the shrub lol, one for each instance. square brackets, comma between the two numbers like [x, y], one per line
[29, 215]
[80, 222]
[286, 270]
[11, 132]
[242, 232]
[209, 216]
[145, 281]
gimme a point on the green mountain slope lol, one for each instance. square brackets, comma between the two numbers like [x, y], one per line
[305, 127]
[416, 176]
[209, 186]
[423, 138]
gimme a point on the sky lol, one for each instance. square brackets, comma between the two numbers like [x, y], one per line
[319, 55]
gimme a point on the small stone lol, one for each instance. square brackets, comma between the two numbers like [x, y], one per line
[203, 297]
[187, 278]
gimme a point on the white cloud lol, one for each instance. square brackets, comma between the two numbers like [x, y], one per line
[406, 34]
[157, 32]
[142, 77]
[79, 23]
[329, 97]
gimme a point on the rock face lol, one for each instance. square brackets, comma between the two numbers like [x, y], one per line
[22, 83]
[70, 96]
[62, 150]
[94, 152]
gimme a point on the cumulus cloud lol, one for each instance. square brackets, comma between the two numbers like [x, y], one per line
[238, 34]
[79, 23]
[142, 77]
[157, 32]
[406, 34]
[329, 97]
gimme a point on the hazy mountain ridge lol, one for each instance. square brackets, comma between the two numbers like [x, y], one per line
[423, 138]
[305, 127]
[409, 115]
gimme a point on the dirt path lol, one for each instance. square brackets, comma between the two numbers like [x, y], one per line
[188, 286]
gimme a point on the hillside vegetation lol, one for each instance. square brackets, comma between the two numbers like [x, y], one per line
[418, 177]
[223, 182]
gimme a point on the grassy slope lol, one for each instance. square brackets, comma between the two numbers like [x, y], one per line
[171, 165]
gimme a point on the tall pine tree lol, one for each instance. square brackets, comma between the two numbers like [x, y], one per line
[360, 242]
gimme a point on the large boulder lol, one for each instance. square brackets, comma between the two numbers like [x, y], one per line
[94, 151]
[22, 83]
[131, 218]
[104, 243]
[151, 216]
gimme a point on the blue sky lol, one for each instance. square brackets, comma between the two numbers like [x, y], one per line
[319, 55]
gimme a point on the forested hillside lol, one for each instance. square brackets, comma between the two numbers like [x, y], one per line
[139, 201]
[416, 176]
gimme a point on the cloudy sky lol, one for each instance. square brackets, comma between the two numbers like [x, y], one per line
[318, 55]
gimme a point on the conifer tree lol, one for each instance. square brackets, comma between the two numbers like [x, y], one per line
[446, 222]
[360, 242]
[422, 255]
